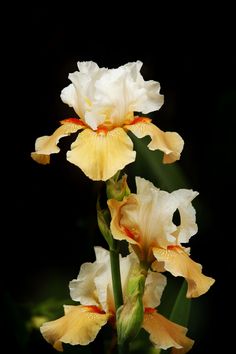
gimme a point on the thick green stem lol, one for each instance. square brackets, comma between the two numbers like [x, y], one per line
[115, 272]
[117, 289]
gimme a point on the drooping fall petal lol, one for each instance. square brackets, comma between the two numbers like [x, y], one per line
[101, 154]
[178, 263]
[79, 325]
[165, 334]
[170, 143]
[46, 145]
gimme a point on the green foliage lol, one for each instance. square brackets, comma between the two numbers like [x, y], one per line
[149, 165]
[180, 312]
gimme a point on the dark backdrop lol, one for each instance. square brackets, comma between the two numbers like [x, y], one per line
[50, 220]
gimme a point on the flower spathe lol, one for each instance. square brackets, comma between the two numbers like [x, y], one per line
[105, 101]
[145, 220]
[93, 289]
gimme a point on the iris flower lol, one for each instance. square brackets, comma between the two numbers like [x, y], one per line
[105, 101]
[93, 289]
[145, 220]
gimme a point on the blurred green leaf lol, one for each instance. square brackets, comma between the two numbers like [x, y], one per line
[181, 309]
[149, 164]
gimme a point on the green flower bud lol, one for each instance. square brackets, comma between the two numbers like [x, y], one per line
[117, 189]
[130, 315]
[103, 218]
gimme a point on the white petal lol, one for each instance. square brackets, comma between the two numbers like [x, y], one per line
[188, 226]
[102, 255]
[154, 287]
[94, 119]
[87, 67]
[144, 186]
[69, 96]
[112, 96]
[83, 289]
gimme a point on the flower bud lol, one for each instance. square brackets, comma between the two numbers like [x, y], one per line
[117, 189]
[130, 315]
[103, 218]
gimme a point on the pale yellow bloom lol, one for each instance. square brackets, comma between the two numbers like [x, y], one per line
[93, 289]
[79, 325]
[145, 220]
[105, 101]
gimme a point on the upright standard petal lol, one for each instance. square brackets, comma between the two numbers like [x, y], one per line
[101, 154]
[188, 226]
[154, 287]
[46, 145]
[79, 325]
[178, 263]
[83, 288]
[170, 143]
[144, 219]
[165, 334]
[111, 96]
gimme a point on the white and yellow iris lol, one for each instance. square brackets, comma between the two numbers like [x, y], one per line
[145, 220]
[93, 289]
[105, 101]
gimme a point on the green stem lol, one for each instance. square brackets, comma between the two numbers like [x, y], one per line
[123, 348]
[115, 273]
[117, 289]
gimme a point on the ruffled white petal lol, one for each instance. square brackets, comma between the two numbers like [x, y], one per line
[111, 97]
[144, 218]
[83, 288]
[188, 226]
[154, 287]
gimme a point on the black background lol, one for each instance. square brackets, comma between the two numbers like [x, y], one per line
[50, 210]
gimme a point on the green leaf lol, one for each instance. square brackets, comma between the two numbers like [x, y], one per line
[181, 309]
[149, 165]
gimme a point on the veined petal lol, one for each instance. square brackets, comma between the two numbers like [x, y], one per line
[101, 154]
[79, 325]
[177, 262]
[165, 334]
[46, 145]
[170, 143]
